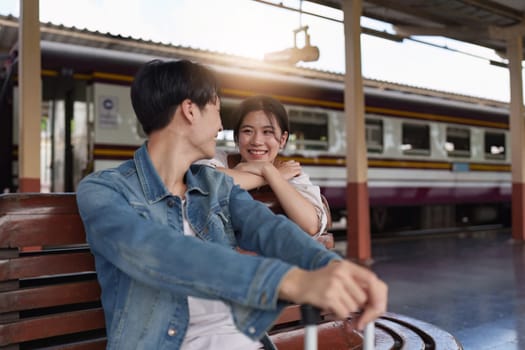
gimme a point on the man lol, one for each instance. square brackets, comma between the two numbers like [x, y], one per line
[164, 233]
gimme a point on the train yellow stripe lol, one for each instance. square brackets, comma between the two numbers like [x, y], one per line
[382, 163]
[113, 152]
[318, 161]
[409, 164]
[94, 75]
[111, 76]
[489, 167]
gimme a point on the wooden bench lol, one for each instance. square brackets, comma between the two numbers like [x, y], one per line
[50, 298]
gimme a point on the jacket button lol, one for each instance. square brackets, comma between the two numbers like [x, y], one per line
[251, 330]
[171, 203]
[172, 332]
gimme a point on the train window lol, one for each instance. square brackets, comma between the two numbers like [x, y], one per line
[374, 135]
[458, 142]
[308, 130]
[494, 145]
[415, 139]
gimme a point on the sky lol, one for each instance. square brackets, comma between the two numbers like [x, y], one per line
[250, 28]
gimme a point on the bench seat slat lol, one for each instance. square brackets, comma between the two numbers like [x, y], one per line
[42, 265]
[47, 296]
[53, 325]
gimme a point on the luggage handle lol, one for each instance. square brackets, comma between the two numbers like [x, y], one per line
[310, 317]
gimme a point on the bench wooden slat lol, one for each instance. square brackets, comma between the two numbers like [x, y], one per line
[53, 325]
[52, 264]
[47, 296]
[38, 203]
[40, 230]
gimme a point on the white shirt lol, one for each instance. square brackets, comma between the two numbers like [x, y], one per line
[211, 324]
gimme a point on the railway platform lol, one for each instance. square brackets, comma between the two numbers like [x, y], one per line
[471, 284]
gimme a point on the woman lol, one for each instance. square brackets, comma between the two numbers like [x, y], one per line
[262, 130]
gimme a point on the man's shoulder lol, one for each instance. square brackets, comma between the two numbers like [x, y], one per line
[125, 169]
[203, 173]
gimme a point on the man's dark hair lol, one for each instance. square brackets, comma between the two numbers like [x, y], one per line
[160, 87]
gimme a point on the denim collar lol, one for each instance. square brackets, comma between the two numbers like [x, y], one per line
[152, 185]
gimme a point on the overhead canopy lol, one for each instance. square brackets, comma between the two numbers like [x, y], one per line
[482, 22]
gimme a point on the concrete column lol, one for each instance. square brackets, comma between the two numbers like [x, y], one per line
[517, 130]
[358, 220]
[30, 88]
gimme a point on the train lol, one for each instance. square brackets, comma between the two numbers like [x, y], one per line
[436, 160]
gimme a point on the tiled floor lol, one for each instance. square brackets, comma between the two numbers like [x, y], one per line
[472, 286]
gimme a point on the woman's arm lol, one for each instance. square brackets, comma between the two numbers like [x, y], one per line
[246, 180]
[250, 175]
[295, 205]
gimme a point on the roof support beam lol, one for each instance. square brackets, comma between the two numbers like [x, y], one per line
[507, 33]
[517, 135]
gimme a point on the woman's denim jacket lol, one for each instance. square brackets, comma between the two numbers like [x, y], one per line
[146, 266]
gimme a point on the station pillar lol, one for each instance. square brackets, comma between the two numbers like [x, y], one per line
[357, 202]
[30, 90]
[517, 134]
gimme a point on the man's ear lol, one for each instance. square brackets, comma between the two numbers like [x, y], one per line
[187, 108]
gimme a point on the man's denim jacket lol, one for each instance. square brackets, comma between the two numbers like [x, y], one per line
[146, 266]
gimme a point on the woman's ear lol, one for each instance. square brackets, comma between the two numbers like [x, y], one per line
[284, 138]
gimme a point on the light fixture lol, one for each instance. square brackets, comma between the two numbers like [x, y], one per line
[293, 55]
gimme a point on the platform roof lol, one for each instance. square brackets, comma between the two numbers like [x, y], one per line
[482, 22]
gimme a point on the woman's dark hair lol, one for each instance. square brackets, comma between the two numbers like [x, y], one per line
[269, 105]
[160, 87]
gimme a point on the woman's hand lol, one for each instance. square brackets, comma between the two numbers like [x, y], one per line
[288, 169]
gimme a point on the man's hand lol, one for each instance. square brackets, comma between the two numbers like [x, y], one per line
[340, 287]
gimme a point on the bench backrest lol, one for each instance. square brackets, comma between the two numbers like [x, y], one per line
[49, 294]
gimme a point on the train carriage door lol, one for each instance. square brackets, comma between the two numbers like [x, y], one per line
[64, 140]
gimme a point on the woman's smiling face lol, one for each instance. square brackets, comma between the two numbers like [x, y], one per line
[260, 137]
